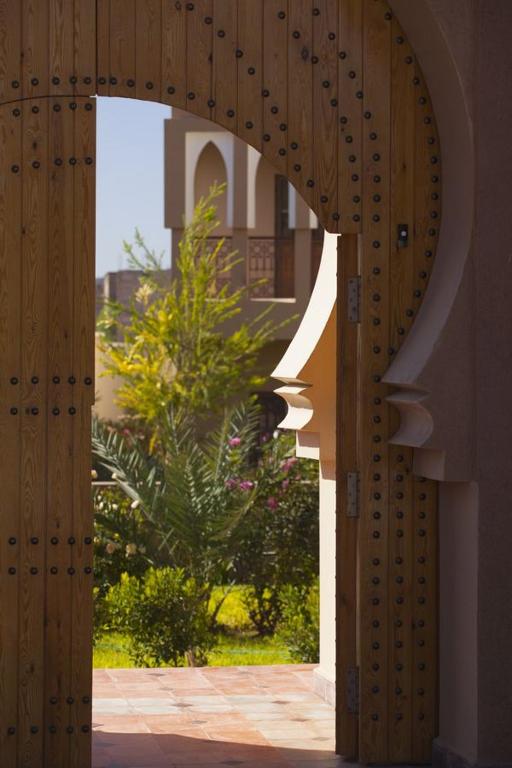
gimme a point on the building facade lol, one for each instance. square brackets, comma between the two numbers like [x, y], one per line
[261, 217]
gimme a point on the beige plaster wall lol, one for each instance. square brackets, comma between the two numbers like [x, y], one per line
[327, 666]
[211, 169]
[459, 356]
[458, 558]
[105, 387]
[308, 371]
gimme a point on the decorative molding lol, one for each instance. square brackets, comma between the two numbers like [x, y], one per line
[324, 687]
[432, 371]
[195, 143]
[308, 366]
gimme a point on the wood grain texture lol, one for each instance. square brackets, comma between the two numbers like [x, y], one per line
[103, 47]
[10, 51]
[425, 625]
[82, 399]
[200, 58]
[174, 54]
[85, 25]
[334, 86]
[33, 507]
[10, 398]
[325, 110]
[36, 50]
[121, 74]
[346, 527]
[148, 27]
[62, 46]
[350, 113]
[225, 70]
[401, 279]
[250, 72]
[59, 431]
[276, 139]
[374, 426]
[300, 97]
[425, 587]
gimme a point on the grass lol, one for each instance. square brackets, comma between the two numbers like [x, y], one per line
[237, 643]
[112, 651]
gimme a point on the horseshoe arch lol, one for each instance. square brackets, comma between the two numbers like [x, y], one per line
[331, 93]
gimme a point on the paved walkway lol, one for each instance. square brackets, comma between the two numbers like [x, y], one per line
[225, 716]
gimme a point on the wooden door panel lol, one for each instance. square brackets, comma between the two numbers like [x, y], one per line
[46, 359]
[331, 92]
[10, 408]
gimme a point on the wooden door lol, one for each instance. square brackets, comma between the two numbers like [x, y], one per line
[332, 94]
[387, 517]
[47, 199]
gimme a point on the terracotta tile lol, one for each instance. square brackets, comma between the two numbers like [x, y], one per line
[249, 716]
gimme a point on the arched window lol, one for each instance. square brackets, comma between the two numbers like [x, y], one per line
[211, 168]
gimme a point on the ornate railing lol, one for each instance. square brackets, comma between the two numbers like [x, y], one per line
[268, 259]
[261, 266]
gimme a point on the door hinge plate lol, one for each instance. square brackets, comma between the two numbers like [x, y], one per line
[352, 494]
[353, 299]
[353, 690]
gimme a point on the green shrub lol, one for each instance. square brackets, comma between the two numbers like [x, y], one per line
[228, 610]
[279, 540]
[299, 629]
[165, 615]
[102, 617]
[122, 538]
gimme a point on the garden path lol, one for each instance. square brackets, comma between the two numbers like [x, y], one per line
[214, 716]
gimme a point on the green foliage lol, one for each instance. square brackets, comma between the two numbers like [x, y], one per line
[279, 544]
[175, 351]
[229, 606]
[123, 540]
[112, 651]
[102, 619]
[165, 615]
[299, 628]
[190, 501]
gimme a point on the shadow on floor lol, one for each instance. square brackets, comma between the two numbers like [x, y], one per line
[183, 750]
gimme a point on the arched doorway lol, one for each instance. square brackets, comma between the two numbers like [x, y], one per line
[330, 92]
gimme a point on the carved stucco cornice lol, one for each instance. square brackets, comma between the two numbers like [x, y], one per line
[308, 366]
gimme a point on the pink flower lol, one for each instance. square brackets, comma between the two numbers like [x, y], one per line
[288, 464]
[230, 484]
[234, 442]
[285, 484]
[272, 503]
[246, 485]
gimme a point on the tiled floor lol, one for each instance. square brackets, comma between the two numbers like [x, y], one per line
[225, 716]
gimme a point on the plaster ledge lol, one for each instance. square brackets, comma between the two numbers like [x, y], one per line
[324, 687]
[307, 369]
[416, 423]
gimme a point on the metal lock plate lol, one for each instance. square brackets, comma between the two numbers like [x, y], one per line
[352, 494]
[353, 690]
[353, 299]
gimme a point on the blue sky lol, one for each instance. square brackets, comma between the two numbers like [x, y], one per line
[130, 178]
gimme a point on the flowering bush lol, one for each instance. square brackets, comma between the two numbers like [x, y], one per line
[122, 541]
[186, 502]
[279, 545]
[204, 506]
